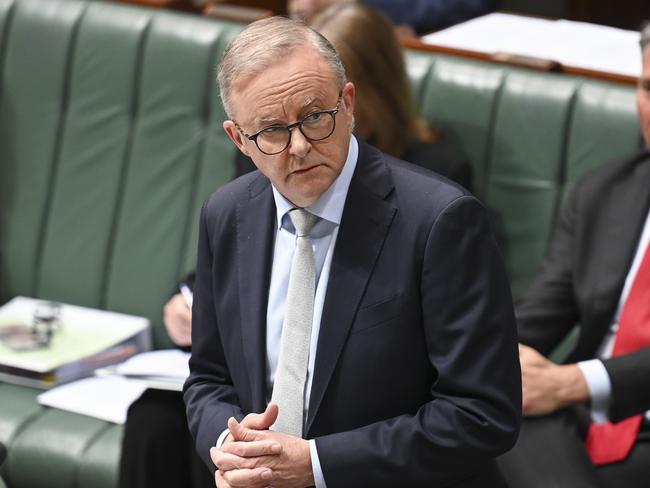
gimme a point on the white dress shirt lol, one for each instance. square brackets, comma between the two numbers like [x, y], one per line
[329, 209]
[594, 371]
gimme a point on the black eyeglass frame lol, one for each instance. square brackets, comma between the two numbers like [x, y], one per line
[331, 112]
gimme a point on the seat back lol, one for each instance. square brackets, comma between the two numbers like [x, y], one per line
[528, 135]
[110, 139]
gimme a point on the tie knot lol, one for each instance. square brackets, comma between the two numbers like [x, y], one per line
[302, 220]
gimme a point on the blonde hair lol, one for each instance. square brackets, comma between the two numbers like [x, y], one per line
[265, 42]
[373, 60]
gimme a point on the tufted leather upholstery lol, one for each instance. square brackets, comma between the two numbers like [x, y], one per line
[110, 138]
[529, 135]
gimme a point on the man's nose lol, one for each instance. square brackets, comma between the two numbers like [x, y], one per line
[299, 145]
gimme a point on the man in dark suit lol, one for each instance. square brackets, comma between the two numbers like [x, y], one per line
[595, 274]
[413, 378]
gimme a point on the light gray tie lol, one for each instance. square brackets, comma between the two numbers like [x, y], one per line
[291, 375]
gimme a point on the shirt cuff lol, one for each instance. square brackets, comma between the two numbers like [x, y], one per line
[222, 438]
[600, 388]
[319, 479]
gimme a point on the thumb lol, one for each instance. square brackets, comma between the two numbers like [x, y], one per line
[240, 432]
[261, 421]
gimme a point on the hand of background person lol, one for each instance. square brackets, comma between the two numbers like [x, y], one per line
[253, 456]
[307, 9]
[547, 386]
[178, 320]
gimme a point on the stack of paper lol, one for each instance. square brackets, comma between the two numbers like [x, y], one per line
[86, 339]
[165, 369]
[109, 395]
[574, 44]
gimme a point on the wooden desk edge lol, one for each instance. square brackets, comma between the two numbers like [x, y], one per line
[537, 64]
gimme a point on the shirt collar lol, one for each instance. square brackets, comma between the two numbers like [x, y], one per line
[329, 205]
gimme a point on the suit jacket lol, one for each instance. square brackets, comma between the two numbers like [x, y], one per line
[429, 15]
[416, 379]
[583, 273]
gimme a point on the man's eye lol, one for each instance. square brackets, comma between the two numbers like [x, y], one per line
[313, 117]
[274, 129]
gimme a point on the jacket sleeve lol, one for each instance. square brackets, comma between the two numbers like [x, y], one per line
[475, 407]
[208, 392]
[629, 378]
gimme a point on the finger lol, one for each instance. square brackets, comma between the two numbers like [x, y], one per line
[213, 455]
[227, 462]
[261, 421]
[241, 433]
[220, 481]
[248, 477]
[253, 448]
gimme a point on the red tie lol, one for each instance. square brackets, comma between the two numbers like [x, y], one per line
[609, 442]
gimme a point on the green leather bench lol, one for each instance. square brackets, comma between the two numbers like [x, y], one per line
[529, 135]
[110, 138]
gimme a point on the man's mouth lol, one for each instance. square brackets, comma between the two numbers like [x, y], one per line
[306, 169]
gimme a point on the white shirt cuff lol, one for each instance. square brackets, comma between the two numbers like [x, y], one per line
[319, 479]
[600, 388]
[222, 438]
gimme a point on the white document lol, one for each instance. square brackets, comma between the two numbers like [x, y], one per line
[107, 398]
[166, 363]
[108, 395]
[575, 44]
[165, 369]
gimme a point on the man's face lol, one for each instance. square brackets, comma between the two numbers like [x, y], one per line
[643, 97]
[282, 94]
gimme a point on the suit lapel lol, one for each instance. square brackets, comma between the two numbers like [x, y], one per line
[255, 227]
[367, 217]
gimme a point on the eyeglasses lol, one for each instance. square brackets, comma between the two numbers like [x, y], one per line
[315, 126]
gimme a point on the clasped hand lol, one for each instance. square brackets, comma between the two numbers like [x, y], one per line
[252, 456]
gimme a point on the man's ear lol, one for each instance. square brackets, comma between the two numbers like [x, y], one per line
[349, 93]
[235, 136]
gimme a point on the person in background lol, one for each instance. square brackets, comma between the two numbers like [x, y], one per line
[157, 448]
[156, 432]
[586, 420]
[385, 114]
[422, 16]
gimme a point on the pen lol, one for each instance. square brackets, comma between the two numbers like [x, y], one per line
[187, 294]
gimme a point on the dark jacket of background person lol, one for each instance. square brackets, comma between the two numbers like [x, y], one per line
[429, 15]
[580, 282]
[584, 272]
[385, 112]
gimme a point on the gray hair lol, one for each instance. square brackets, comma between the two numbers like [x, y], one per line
[265, 42]
[645, 35]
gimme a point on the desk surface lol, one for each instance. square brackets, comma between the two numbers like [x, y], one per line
[549, 45]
